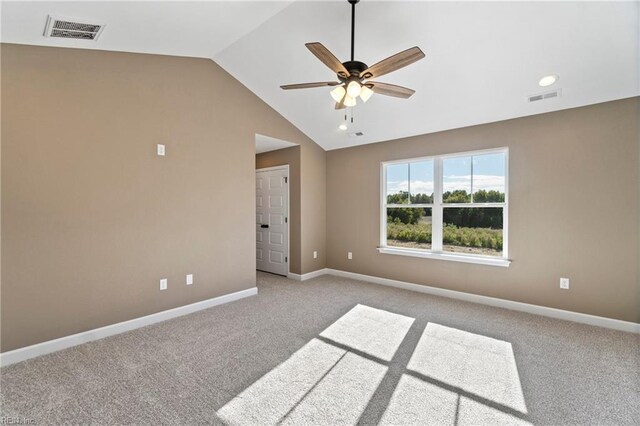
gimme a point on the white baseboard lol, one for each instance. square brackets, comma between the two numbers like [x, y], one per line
[17, 355]
[314, 274]
[615, 324]
[308, 275]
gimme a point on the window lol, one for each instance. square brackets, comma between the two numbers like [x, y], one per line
[450, 207]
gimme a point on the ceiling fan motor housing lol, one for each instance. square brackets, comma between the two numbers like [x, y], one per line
[354, 68]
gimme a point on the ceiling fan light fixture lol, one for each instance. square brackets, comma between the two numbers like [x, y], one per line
[338, 93]
[365, 93]
[349, 101]
[353, 89]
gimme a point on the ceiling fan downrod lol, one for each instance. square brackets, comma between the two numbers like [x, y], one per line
[354, 67]
[353, 26]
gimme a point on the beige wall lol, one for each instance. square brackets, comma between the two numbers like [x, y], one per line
[280, 157]
[313, 182]
[92, 218]
[574, 210]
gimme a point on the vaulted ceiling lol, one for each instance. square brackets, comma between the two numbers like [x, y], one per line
[483, 58]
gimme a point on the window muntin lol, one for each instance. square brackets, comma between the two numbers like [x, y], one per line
[447, 204]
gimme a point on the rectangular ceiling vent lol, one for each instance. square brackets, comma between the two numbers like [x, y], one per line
[71, 28]
[546, 95]
[356, 134]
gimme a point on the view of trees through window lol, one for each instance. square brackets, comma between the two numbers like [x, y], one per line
[471, 212]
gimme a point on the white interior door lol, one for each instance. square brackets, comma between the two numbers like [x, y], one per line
[272, 222]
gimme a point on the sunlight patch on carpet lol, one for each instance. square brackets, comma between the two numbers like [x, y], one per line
[372, 331]
[471, 412]
[325, 382]
[452, 377]
[342, 396]
[270, 398]
[482, 366]
[416, 402]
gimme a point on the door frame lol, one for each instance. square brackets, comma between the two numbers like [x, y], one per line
[288, 223]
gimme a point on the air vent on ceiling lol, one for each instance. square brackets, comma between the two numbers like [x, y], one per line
[71, 28]
[546, 95]
[356, 134]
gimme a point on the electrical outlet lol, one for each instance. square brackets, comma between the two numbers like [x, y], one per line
[564, 283]
[189, 279]
[163, 284]
[349, 255]
[160, 150]
[315, 254]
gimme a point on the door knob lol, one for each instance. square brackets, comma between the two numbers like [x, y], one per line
[264, 226]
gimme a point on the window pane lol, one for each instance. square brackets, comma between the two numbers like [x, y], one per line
[397, 183]
[421, 182]
[409, 227]
[456, 180]
[489, 178]
[473, 230]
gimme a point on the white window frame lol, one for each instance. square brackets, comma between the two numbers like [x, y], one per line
[437, 208]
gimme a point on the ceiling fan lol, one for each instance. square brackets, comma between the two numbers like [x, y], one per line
[354, 75]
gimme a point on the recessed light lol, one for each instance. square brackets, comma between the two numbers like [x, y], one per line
[548, 80]
[343, 126]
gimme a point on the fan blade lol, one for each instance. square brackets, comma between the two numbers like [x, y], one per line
[340, 105]
[390, 89]
[309, 85]
[393, 63]
[327, 58]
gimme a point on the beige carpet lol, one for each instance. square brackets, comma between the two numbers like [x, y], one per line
[337, 351]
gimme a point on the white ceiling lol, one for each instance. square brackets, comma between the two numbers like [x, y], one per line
[180, 28]
[483, 58]
[266, 144]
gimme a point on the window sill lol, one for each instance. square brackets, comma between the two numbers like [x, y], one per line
[480, 260]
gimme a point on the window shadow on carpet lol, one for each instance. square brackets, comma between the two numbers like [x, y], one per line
[372, 366]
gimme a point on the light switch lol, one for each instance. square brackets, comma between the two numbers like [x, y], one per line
[189, 279]
[163, 284]
[161, 150]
